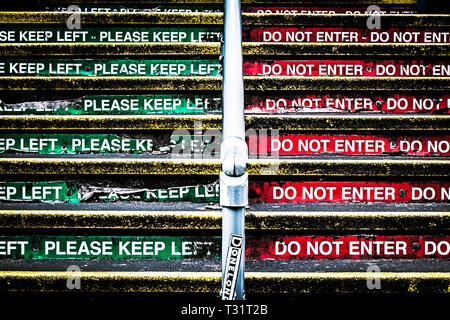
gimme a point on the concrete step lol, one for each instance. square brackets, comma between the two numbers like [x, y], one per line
[343, 123]
[180, 219]
[381, 168]
[248, 19]
[341, 50]
[209, 282]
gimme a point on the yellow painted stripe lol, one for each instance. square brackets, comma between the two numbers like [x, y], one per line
[111, 122]
[248, 48]
[113, 220]
[269, 83]
[209, 282]
[216, 19]
[123, 282]
[111, 83]
[345, 20]
[347, 122]
[256, 83]
[348, 221]
[212, 220]
[350, 167]
[108, 49]
[120, 166]
[259, 2]
[346, 49]
[347, 283]
[107, 19]
[307, 167]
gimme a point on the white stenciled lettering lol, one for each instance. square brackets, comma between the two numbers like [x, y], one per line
[167, 69]
[64, 68]
[71, 36]
[75, 248]
[169, 36]
[120, 69]
[111, 105]
[35, 35]
[26, 67]
[41, 193]
[162, 104]
[7, 36]
[10, 247]
[7, 192]
[436, 37]
[340, 70]
[124, 36]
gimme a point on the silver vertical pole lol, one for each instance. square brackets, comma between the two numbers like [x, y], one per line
[233, 84]
[234, 153]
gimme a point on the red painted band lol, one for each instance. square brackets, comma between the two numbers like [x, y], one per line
[345, 35]
[346, 192]
[313, 144]
[332, 103]
[348, 247]
[346, 68]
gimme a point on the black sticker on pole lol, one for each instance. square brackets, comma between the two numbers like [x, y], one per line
[232, 267]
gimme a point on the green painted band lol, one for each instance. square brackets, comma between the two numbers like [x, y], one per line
[116, 68]
[115, 104]
[39, 191]
[72, 144]
[75, 193]
[53, 34]
[137, 247]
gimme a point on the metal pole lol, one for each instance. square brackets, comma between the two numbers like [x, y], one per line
[233, 85]
[234, 155]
